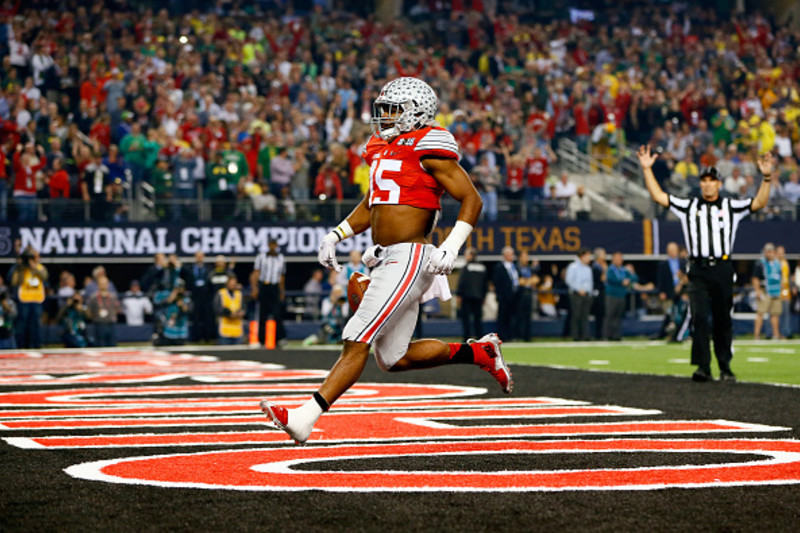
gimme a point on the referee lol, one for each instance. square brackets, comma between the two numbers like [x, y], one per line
[267, 282]
[709, 226]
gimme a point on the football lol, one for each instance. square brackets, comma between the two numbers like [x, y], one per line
[356, 287]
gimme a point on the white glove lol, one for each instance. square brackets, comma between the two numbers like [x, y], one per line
[327, 252]
[442, 261]
[369, 258]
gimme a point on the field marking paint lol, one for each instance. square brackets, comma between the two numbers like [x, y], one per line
[783, 351]
[373, 421]
[275, 469]
[679, 361]
[758, 359]
[420, 431]
[599, 362]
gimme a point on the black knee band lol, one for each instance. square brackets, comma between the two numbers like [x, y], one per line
[323, 403]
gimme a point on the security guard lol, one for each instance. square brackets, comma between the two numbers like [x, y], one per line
[709, 227]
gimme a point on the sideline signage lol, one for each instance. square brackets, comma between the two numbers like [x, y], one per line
[302, 240]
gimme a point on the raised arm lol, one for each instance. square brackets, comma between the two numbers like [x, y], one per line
[765, 165]
[646, 160]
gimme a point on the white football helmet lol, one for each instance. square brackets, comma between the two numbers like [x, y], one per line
[405, 104]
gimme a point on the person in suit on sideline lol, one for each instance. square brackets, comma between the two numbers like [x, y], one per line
[505, 278]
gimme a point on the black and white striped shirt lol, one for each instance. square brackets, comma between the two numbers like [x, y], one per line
[270, 267]
[709, 228]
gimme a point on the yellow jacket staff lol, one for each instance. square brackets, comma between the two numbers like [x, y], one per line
[30, 281]
[228, 307]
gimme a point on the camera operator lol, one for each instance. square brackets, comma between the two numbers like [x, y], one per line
[8, 313]
[335, 312]
[174, 307]
[73, 318]
[29, 279]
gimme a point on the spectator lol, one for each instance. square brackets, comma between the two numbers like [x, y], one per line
[184, 188]
[90, 289]
[327, 184]
[515, 177]
[26, 165]
[734, 183]
[281, 170]
[196, 276]
[564, 187]
[599, 272]
[155, 273]
[786, 293]
[487, 181]
[537, 169]
[312, 292]
[66, 287]
[619, 282]
[470, 294]
[581, 286]
[528, 281]
[59, 189]
[767, 284]
[104, 307]
[791, 189]
[93, 185]
[29, 280]
[505, 278]
[353, 265]
[229, 309]
[547, 297]
[221, 188]
[135, 150]
[580, 205]
[135, 305]
[3, 185]
[670, 280]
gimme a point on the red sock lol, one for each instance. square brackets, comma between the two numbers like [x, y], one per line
[462, 353]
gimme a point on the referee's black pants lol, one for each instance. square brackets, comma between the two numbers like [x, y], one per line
[711, 295]
[270, 306]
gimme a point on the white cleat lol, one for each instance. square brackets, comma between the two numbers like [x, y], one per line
[280, 417]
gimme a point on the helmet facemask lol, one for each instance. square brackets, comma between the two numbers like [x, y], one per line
[405, 104]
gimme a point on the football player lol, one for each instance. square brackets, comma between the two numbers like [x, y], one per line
[412, 163]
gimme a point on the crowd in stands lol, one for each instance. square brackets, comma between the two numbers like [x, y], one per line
[258, 108]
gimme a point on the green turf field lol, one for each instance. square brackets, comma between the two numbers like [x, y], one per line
[763, 362]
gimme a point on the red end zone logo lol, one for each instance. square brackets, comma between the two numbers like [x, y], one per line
[372, 423]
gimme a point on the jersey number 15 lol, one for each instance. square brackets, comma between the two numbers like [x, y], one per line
[384, 190]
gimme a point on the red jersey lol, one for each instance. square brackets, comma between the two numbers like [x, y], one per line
[536, 170]
[396, 175]
[59, 184]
